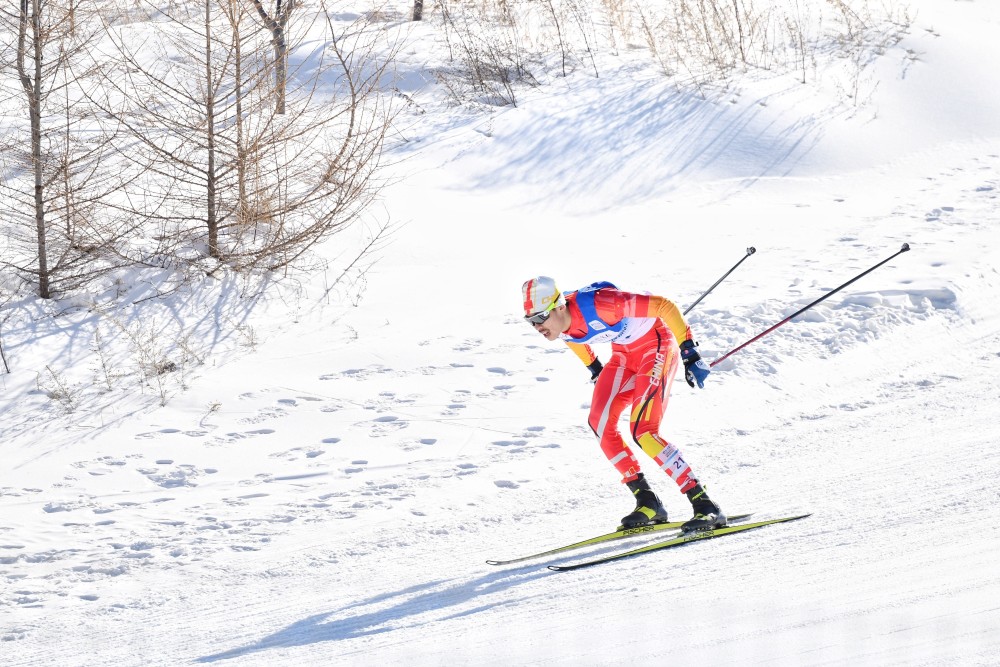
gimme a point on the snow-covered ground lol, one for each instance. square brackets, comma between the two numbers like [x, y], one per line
[329, 486]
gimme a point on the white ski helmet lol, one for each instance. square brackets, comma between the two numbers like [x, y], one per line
[541, 295]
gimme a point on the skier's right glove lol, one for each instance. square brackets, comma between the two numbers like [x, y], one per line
[695, 369]
[595, 369]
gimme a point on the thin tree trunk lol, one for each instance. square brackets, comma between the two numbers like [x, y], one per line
[32, 88]
[241, 158]
[3, 358]
[277, 27]
[213, 223]
[280, 56]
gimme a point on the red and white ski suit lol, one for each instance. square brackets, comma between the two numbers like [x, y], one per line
[644, 331]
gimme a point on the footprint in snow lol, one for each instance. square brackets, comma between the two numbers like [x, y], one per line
[387, 424]
[240, 501]
[467, 345]
[353, 469]
[181, 475]
[509, 443]
[357, 373]
[935, 214]
[152, 434]
[234, 436]
[453, 409]
[264, 415]
[410, 445]
[295, 453]
[70, 506]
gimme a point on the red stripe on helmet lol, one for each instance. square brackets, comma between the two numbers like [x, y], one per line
[529, 306]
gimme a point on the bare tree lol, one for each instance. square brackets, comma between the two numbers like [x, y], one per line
[55, 170]
[230, 177]
[173, 93]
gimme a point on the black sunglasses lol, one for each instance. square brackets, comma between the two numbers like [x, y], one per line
[540, 318]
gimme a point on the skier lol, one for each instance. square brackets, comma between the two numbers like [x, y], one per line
[644, 331]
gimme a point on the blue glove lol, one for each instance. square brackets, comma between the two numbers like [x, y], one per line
[695, 370]
[595, 369]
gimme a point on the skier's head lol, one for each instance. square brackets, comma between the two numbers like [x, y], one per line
[542, 301]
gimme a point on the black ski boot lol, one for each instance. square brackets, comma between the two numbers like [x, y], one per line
[707, 514]
[648, 508]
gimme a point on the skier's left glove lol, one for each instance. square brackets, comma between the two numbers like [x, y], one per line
[695, 369]
[595, 369]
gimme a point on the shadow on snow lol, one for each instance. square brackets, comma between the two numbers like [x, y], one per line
[408, 605]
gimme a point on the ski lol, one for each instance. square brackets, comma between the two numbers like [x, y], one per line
[675, 542]
[617, 535]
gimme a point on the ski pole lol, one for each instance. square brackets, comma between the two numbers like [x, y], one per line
[751, 250]
[906, 246]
